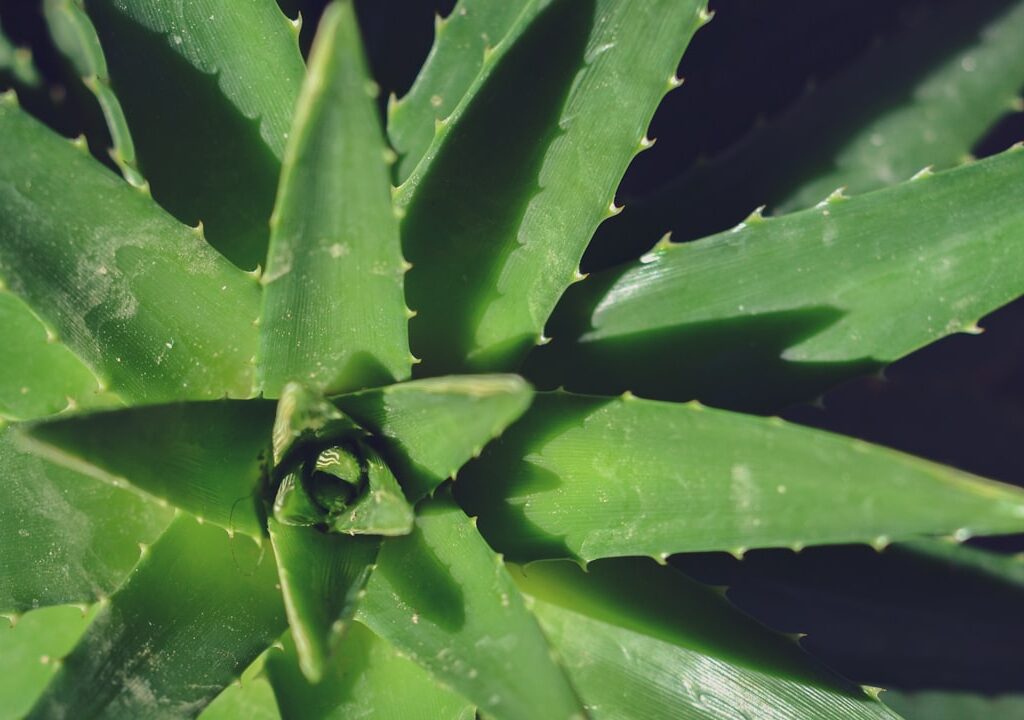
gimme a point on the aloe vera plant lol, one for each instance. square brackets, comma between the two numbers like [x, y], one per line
[319, 400]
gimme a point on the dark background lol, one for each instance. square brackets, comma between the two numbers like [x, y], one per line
[883, 619]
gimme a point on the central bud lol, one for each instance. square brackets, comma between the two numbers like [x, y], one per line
[327, 472]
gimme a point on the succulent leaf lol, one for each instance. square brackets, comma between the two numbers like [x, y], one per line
[195, 613]
[953, 705]
[65, 537]
[322, 577]
[461, 41]
[334, 314]
[645, 642]
[74, 34]
[586, 477]
[153, 310]
[203, 457]
[431, 427]
[209, 109]
[486, 274]
[367, 678]
[442, 597]
[252, 698]
[776, 311]
[16, 64]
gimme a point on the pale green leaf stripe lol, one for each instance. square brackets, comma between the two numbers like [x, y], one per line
[954, 705]
[460, 41]
[432, 427]
[831, 290]
[203, 457]
[210, 108]
[144, 301]
[585, 477]
[322, 576]
[250, 47]
[922, 97]
[334, 314]
[198, 609]
[75, 36]
[65, 537]
[367, 678]
[442, 597]
[646, 643]
[30, 651]
[501, 207]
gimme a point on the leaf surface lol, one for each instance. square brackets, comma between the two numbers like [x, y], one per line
[334, 314]
[203, 457]
[153, 310]
[322, 577]
[192, 616]
[442, 597]
[210, 109]
[779, 309]
[585, 477]
[431, 427]
[502, 205]
[66, 538]
[16, 64]
[252, 698]
[644, 642]
[367, 678]
[947, 705]
[75, 37]
[460, 41]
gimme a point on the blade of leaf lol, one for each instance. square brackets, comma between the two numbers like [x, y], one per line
[779, 309]
[334, 314]
[148, 305]
[209, 110]
[28, 651]
[204, 457]
[383, 509]
[194, 614]
[922, 97]
[65, 537]
[946, 705]
[432, 427]
[40, 377]
[461, 40]
[487, 272]
[74, 35]
[252, 698]
[322, 578]
[16, 64]
[586, 477]
[367, 678]
[644, 642]
[442, 597]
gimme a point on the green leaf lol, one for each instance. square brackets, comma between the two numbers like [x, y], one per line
[367, 678]
[144, 301]
[952, 705]
[194, 614]
[1006, 569]
[432, 427]
[644, 642]
[501, 207]
[65, 537]
[210, 108]
[334, 314]
[585, 477]
[252, 698]
[923, 96]
[74, 35]
[16, 63]
[322, 578]
[779, 309]
[30, 651]
[473, 28]
[40, 377]
[442, 597]
[204, 457]
[303, 416]
[382, 509]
